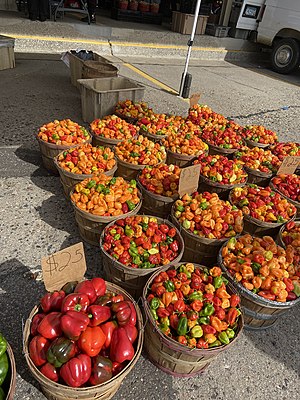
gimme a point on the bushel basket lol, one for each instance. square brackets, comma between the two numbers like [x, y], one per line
[251, 144]
[96, 69]
[130, 171]
[169, 355]
[131, 279]
[207, 185]
[152, 136]
[295, 203]
[181, 160]
[258, 177]
[259, 313]
[104, 391]
[216, 150]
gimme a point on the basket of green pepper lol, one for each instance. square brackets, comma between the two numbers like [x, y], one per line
[192, 315]
[7, 370]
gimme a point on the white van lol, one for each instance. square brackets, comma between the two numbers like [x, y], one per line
[277, 24]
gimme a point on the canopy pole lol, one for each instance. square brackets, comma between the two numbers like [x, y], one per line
[190, 44]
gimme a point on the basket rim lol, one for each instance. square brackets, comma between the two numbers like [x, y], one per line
[255, 144]
[220, 185]
[125, 371]
[220, 149]
[120, 265]
[258, 173]
[63, 147]
[12, 361]
[185, 157]
[136, 166]
[192, 235]
[173, 342]
[253, 296]
[294, 202]
[152, 135]
[130, 120]
[76, 176]
[282, 229]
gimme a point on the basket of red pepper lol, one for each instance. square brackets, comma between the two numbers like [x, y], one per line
[265, 210]
[265, 276]
[81, 341]
[192, 315]
[133, 248]
[288, 186]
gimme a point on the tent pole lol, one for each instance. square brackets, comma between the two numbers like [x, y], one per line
[190, 44]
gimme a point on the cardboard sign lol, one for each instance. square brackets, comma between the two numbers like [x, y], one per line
[289, 165]
[189, 179]
[64, 266]
[194, 99]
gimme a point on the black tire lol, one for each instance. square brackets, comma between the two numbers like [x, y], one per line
[285, 55]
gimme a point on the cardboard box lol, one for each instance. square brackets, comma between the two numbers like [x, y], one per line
[7, 54]
[99, 96]
[183, 23]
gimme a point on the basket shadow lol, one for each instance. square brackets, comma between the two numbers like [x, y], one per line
[16, 283]
[280, 341]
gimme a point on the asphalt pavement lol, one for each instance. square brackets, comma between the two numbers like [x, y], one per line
[36, 219]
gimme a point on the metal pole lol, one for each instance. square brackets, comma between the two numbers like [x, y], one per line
[190, 44]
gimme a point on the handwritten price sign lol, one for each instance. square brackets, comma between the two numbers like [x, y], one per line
[64, 266]
[289, 165]
[194, 99]
[188, 181]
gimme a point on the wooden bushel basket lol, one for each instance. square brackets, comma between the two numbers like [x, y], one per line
[152, 136]
[216, 150]
[133, 280]
[169, 355]
[130, 171]
[198, 249]
[69, 179]
[181, 160]
[97, 69]
[259, 313]
[104, 391]
[207, 185]
[51, 150]
[90, 226]
[295, 203]
[258, 177]
[282, 229]
[251, 144]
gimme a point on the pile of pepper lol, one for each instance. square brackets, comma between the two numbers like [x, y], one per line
[162, 179]
[140, 151]
[206, 215]
[64, 132]
[141, 242]
[133, 109]
[106, 196]
[262, 203]
[202, 115]
[160, 124]
[192, 305]
[291, 238]
[227, 136]
[262, 267]
[185, 143]
[288, 185]
[113, 127]
[258, 159]
[220, 169]
[87, 159]
[282, 150]
[83, 335]
[259, 134]
[4, 364]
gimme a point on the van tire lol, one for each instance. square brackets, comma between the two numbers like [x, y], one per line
[285, 55]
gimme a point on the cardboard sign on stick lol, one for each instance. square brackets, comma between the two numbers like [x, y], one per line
[64, 266]
[189, 179]
[289, 165]
[194, 99]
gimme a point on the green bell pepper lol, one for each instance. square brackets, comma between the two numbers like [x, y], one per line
[154, 314]
[154, 303]
[182, 326]
[3, 367]
[3, 344]
[113, 181]
[230, 333]
[164, 328]
[131, 205]
[218, 281]
[196, 296]
[296, 289]
[128, 231]
[180, 208]
[133, 183]
[196, 331]
[208, 310]
[223, 337]
[216, 343]
[204, 321]
[169, 285]
[91, 184]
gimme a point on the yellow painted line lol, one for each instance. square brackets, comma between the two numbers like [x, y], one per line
[121, 44]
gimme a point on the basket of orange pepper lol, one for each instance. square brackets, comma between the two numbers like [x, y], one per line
[132, 111]
[57, 136]
[264, 274]
[259, 136]
[100, 200]
[158, 126]
[193, 314]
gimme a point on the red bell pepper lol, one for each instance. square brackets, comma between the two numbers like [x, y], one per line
[49, 327]
[121, 348]
[38, 350]
[99, 286]
[122, 311]
[77, 371]
[75, 302]
[35, 323]
[91, 340]
[86, 287]
[101, 370]
[232, 315]
[52, 301]
[60, 351]
[104, 300]
[131, 332]
[108, 329]
[117, 367]
[99, 314]
[50, 372]
[73, 323]
[132, 320]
